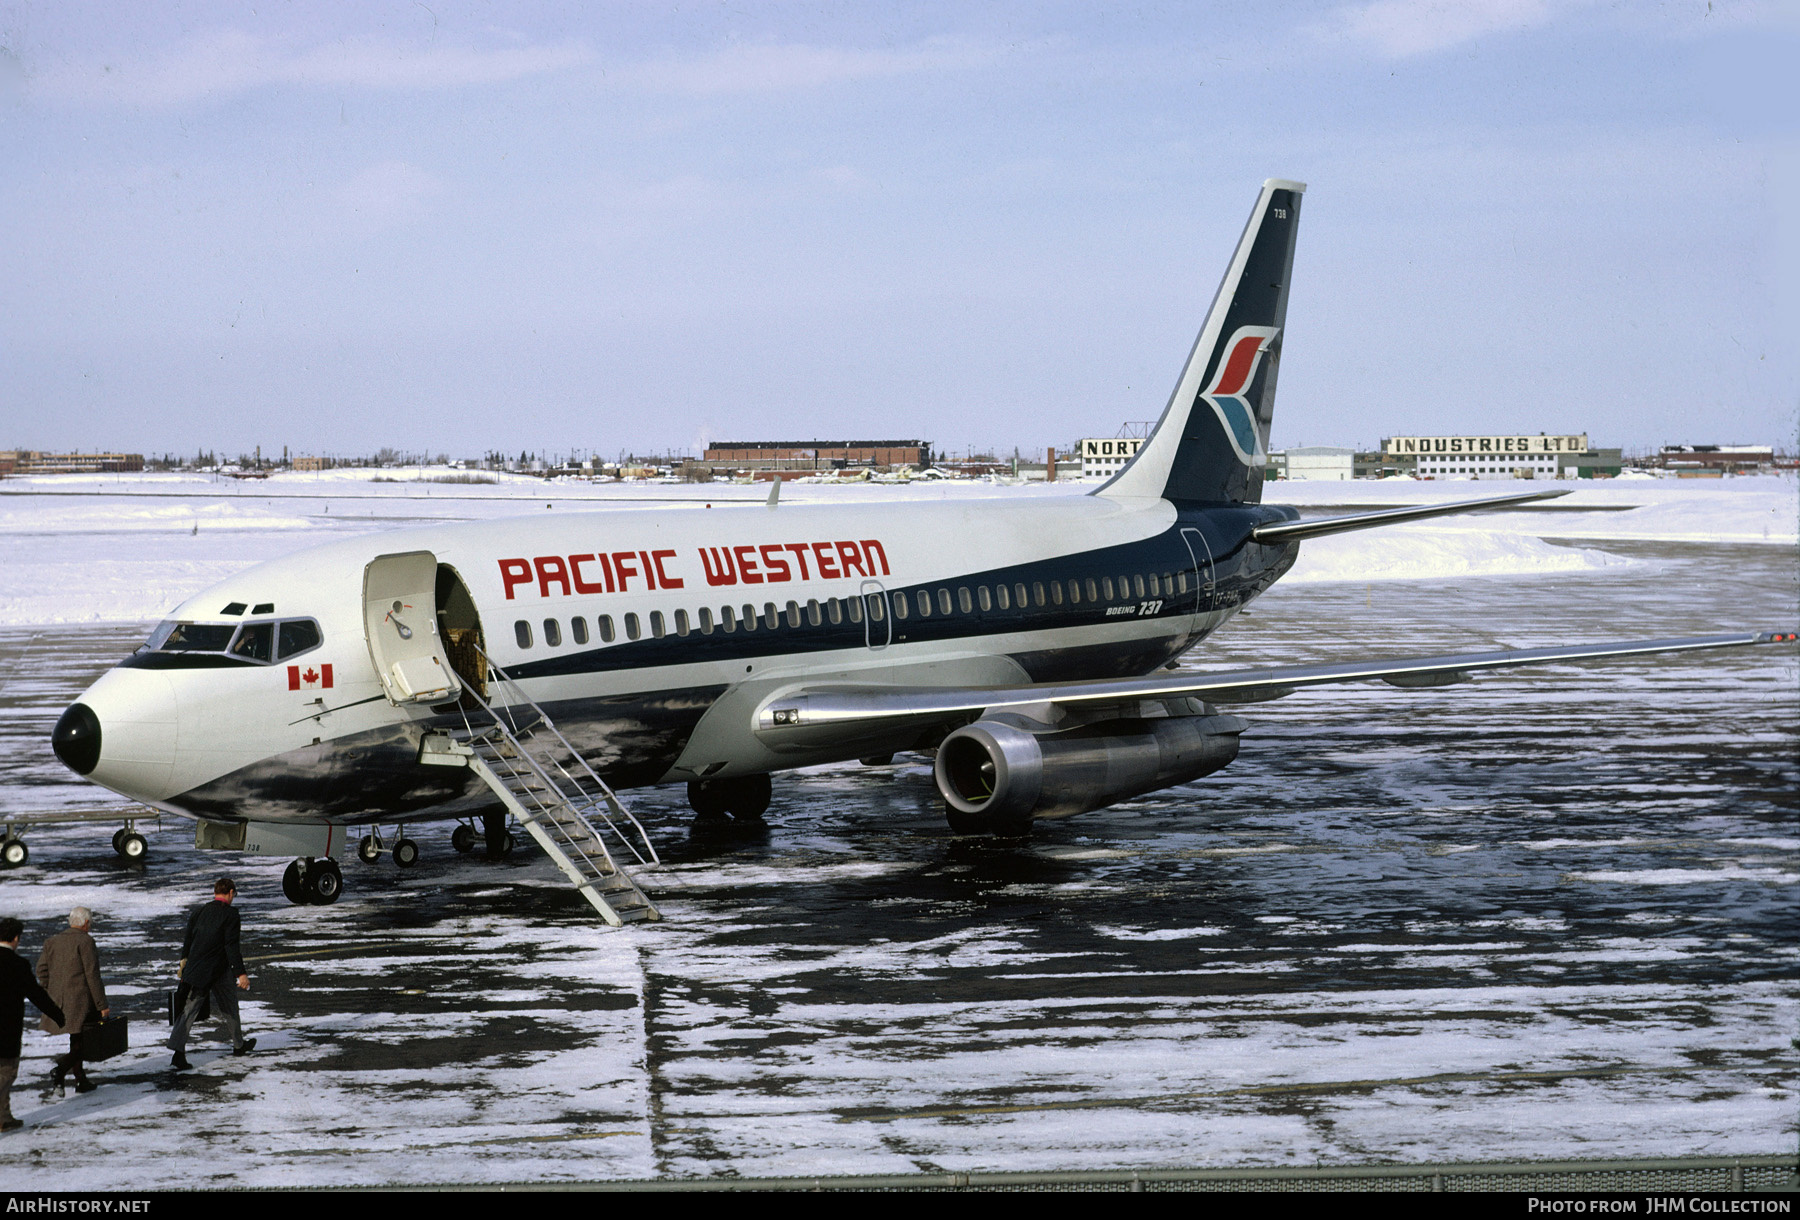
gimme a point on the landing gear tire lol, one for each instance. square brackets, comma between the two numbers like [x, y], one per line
[406, 853]
[745, 797]
[749, 796]
[134, 846]
[13, 853]
[118, 835]
[293, 883]
[708, 797]
[324, 882]
[507, 845]
[463, 839]
[369, 850]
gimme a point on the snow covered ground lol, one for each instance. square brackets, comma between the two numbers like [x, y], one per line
[1546, 914]
[125, 548]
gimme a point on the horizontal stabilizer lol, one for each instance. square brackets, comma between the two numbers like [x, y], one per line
[816, 714]
[1295, 531]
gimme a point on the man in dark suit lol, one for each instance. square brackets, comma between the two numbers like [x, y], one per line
[210, 961]
[17, 984]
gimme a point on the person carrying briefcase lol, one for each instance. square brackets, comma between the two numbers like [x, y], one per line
[69, 969]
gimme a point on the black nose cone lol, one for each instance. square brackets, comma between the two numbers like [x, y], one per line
[77, 739]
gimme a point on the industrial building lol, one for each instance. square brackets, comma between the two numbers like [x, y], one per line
[811, 457]
[33, 461]
[1103, 457]
[1500, 456]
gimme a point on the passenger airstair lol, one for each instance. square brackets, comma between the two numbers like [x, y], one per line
[543, 781]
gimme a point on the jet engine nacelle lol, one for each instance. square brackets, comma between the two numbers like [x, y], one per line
[998, 774]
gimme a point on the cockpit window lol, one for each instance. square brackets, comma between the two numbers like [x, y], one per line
[197, 637]
[255, 642]
[297, 636]
[259, 643]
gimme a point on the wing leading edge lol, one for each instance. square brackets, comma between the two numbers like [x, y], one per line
[812, 714]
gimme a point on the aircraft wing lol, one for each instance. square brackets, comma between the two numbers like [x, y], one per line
[811, 715]
[1318, 527]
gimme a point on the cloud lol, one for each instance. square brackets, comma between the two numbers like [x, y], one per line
[1403, 28]
[786, 67]
[227, 62]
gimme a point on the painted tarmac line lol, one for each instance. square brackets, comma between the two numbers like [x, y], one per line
[1322, 1087]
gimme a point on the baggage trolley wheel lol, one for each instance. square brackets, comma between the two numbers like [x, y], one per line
[13, 853]
[406, 853]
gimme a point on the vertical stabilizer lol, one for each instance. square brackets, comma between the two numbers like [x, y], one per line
[1211, 443]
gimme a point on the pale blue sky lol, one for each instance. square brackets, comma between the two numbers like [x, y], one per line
[460, 226]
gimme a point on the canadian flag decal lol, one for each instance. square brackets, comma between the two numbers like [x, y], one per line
[313, 677]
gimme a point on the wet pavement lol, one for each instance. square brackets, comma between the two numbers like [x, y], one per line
[1547, 914]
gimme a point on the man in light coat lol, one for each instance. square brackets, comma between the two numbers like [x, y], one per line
[69, 969]
[16, 986]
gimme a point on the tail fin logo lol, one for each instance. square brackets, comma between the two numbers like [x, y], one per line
[1243, 356]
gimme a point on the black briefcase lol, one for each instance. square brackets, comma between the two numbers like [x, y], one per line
[104, 1039]
[178, 1000]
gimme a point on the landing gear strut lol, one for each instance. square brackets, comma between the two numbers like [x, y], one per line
[313, 881]
[745, 797]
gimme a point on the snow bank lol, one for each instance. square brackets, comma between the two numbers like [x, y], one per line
[1427, 552]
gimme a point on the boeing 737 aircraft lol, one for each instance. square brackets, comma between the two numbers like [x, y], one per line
[531, 667]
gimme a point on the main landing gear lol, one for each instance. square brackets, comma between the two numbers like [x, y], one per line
[313, 880]
[494, 840]
[744, 797]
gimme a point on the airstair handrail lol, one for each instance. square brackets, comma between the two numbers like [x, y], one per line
[607, 795]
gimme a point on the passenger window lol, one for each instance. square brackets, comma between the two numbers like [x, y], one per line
[1056, 592]
[749, 617]
[552, 633]
[522, 633]
[578, 630]
[1074, 592]
[834, 610]
[793, 614]
[814, 614]
[771, 616]
[943, 601]
[296, 636]
[706, 621]
[1019, 595]
[924, 596]
[1093, 590]
[255, 642]
[900, 610]
[1106, 587]
[1005, 597]
[606, 629]
[855, 606]
[632, 630]
[1139, 580]
[962, 600]
[681, 622]
[1181, 582]
[1124, 588]
[1155, 586]
[728, 619]
[983, 600]
[657, 631]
